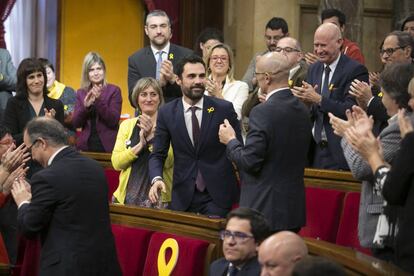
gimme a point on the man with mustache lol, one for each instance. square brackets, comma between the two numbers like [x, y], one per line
[159, 58]
[204, 180]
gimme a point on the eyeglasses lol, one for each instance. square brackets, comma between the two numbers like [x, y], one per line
[266, 73]
[286, 49]
[29, 149]
[390, 51]
[222, 58]
[237, 236]
[7, 142]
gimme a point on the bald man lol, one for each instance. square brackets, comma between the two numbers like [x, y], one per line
[279, 253]
[327, 91]
[273, 159]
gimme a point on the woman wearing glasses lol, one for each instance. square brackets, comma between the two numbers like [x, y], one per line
[220, 82]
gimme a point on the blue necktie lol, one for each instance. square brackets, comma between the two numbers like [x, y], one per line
[321, 115]
[233, 271]
[159, 62]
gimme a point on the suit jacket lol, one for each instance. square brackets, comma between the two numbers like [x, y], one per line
[209, 157]
[17, 114]
[70, 212]
[371, 204]
[377, 109]
[7, 69]
[220, 268]
[273, 160]
[143, 64]
[339, 99]
[108, 110]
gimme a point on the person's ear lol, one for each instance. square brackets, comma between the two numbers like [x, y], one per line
[146, 30]
[407, 51]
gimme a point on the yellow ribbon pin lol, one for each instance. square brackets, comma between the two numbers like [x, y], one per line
[165, 269]
[380, 94]
[331, 87]
[290, 83]
[211, 109]
[171, 56]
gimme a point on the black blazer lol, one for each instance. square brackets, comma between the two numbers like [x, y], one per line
[339, 99]
[143, 64]
[209, 157]
[70, 212]
[220, 268]
[273, 160]
[17, 115]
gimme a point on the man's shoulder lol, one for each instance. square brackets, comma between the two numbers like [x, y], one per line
[140, 53]
[218, 265]
[180, 49]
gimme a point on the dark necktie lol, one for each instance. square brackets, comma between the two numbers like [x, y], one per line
[233, 271]
[195, 126]
[196, 138]
[321, 115]
[159, 62]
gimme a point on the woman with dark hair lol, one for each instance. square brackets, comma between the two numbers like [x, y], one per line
[207, 39]
[31, 99]
[98, 107]
[134, 145]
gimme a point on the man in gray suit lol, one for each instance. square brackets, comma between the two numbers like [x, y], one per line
[394, 82]
[273, 160]
[7, 79]
[159, 58]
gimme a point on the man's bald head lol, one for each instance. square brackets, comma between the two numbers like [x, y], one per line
[272, 71]
[279, 253]
[327, 42]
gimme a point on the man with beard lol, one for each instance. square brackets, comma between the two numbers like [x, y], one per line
[159, 58]
[275, 29]
[204, 180]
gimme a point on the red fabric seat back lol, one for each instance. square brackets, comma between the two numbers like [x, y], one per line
[112, 176]
[28, 257]
[131, 246]
[348, 225]
[323, 211]
[191, 256]
[4, 257]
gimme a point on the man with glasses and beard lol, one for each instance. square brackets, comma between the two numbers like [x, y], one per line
[245, 230]
[204, 180]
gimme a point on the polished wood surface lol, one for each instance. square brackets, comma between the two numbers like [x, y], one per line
[4, 269]
[326, 179]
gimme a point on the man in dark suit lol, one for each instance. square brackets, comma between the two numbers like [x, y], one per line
[159, 59]
[204, 180]
[245, 230]
[67, 205]
[326, 90]
[272, 161]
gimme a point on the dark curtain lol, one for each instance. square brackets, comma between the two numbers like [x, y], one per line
[172, 8]
[5, 9]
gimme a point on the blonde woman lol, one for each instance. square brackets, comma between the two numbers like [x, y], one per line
[221, 83]
[98, 107]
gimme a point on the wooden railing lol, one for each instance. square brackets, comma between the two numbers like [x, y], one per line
[204, 228]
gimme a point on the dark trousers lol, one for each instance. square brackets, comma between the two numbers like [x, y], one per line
[8, 228]
[202, 203]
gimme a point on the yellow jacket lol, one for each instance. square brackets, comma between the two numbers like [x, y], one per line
[122, 158]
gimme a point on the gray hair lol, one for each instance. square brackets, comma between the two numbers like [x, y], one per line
[47, 128]
[90, 59]
[157, 13]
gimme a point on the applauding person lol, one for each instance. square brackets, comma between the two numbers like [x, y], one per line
[98, 107]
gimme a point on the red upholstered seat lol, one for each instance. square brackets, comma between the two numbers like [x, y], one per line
[131, 246]
[191, 258]
[28, 257]
[323, 211]
[112, 176]
[348, 225]
[4, 258]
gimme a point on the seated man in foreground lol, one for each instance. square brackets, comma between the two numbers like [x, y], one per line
[245, 230]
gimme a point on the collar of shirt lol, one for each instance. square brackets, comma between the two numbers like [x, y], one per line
[293, 71]
[165, 50]
[49, 162]
[199, 104]
[391, 120]
[332, 66]
[274, 91]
